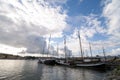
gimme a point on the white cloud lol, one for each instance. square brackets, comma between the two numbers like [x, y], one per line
[56, 1]
[90, 26]
[28, 24]
[23, 22]
[112, 13]
[10, 50]
[115, 51]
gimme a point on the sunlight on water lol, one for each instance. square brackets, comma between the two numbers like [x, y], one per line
[31, 70]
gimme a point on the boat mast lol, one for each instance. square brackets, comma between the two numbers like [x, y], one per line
[86, 53]
[65, 48]
[80, 44]
[49, 44]
[57, 50]
[90, 50]
[104, 53]
[43, 49]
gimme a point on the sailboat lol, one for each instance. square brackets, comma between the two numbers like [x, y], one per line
[42, 60]
[49, 60]
[64, 61]
[88, 62]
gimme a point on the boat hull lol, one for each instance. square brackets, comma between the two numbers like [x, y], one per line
[41, 61]
[92, 65]
[50, 62]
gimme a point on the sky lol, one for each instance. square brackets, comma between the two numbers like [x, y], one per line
[26, 26]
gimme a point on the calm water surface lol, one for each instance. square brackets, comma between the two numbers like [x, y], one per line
[31, 70]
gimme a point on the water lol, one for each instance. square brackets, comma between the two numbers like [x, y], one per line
[31, 70]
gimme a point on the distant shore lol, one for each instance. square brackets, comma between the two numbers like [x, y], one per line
[10, 56]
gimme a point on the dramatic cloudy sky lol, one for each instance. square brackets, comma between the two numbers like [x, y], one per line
[25, 25]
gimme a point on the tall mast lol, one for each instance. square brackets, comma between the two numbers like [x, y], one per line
[65, 47]
[90, 50]
[80, 44]
[86, 53]
[104, 53]
[49, 44]
[57, 50]
[43, 48]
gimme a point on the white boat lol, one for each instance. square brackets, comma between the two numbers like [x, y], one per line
[97, 65]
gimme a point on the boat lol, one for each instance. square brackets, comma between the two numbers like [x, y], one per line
[82, 61]
[41, 61]
[100, 65]
[50, 62]
[88, 62]
[47, 61]
[64, 61]
[90, 65]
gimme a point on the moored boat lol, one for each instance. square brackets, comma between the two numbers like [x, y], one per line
[50, 61]
[89, 65]
[62, 62]
[41, 61]
[47, 60]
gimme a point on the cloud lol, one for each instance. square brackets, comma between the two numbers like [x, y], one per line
[26, 23]
[88, 26]
[115, 51]
[57, 1]
[111, 12]
[92, 25]
[10, 50]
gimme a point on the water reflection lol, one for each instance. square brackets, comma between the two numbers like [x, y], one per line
[31, 70]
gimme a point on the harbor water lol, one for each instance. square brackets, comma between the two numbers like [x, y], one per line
[31, 70]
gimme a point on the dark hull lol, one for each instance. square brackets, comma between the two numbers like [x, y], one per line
[63, 64]
[50, 62]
